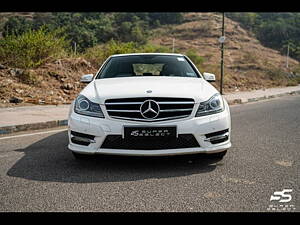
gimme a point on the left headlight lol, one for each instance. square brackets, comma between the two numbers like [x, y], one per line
[214, 105]
[85, 107]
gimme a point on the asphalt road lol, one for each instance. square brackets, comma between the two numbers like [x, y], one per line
[38, 173]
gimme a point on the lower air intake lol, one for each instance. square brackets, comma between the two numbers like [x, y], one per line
[117, 142]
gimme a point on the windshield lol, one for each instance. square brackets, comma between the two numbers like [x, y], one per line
[147, 65]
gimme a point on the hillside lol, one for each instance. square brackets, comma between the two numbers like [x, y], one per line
[248, 65]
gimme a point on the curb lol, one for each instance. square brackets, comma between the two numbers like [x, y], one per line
[32, 126]
[59, 123]
[242, 101]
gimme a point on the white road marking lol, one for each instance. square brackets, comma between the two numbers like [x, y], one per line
[25, 135]
[285, 163]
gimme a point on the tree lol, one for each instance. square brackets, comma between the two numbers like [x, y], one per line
[16, 25]
[274, 30]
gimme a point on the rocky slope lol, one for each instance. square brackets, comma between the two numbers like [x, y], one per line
[56, 82]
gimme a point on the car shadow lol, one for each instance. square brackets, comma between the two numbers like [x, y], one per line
[50, 160]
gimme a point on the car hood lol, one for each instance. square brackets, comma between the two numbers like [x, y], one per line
[101, 89]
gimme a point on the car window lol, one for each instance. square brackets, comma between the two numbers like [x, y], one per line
[147, 65]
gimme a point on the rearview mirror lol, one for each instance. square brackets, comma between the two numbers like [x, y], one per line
[87, 78]
[209, 77]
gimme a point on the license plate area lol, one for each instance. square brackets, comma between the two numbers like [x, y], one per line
[153, 132]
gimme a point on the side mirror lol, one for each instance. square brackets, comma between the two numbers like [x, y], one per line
[209, 77]
[87, 78]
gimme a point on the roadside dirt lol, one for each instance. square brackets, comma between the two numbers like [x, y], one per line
[54, 83]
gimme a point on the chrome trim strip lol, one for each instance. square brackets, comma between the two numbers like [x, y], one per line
[122, 110]
[218, 137]
[149, 120]
[175, 103]
[83, 139]
[176, 110]
[123, 103]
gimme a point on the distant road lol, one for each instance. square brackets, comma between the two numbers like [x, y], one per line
[38, 173]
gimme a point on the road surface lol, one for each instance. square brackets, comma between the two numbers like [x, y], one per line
[38, 173]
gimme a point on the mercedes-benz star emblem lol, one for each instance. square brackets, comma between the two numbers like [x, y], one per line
[149, 109]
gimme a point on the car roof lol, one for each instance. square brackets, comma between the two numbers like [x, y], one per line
[136, 54]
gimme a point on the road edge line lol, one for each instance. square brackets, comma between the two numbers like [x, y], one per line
[265, 97]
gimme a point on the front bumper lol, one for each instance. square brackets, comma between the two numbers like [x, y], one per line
[197, 126]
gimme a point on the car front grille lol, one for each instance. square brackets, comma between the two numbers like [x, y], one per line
[130, 108]
[117, 142]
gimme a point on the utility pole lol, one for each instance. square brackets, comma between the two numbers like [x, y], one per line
[222, 39]
[75, 47]
[173, 44]
[287, 55]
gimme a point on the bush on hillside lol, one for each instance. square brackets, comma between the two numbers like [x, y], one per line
[96, 55]
[196, 59]
[32, 48]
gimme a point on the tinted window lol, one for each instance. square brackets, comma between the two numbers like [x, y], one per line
[147, 65]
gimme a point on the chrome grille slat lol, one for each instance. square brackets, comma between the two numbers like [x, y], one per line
[129, 108]
[176, 110]
[148, 120]
[175, 103]
[122, 110]
[124, 103]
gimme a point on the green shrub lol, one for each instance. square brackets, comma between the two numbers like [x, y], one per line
[276, 73]
[296, 69]
[116, 47]
[297, 79]
[148, 48]
[96, 55]
[292, 82]
[196, 59]
[32, 48]
[29, 77]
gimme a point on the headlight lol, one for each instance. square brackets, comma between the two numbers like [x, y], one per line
[214, 105]
[85, 107]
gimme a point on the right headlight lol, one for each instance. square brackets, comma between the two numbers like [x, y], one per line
[214, 105]
[86, 107]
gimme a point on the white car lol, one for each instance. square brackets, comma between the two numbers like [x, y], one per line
[149, 104]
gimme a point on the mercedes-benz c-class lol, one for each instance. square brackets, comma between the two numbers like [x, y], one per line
[149, 104]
